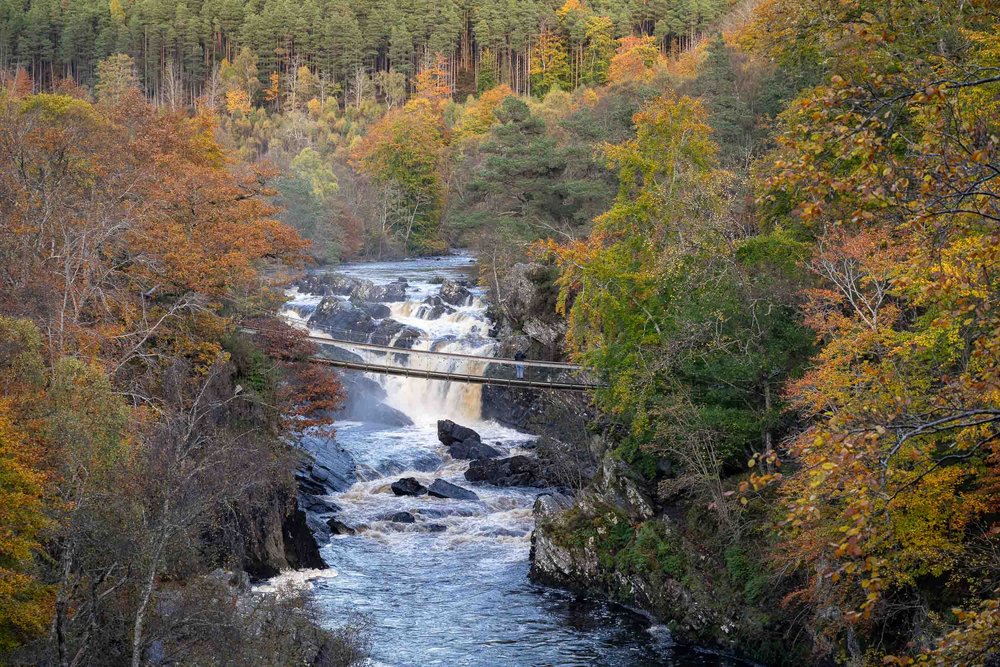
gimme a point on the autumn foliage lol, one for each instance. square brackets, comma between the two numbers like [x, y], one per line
[133, 250]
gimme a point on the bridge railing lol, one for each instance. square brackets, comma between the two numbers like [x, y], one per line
[438, 364]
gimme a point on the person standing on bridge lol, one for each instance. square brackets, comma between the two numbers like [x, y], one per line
[520, 356]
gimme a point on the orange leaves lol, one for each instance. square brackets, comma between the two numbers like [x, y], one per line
[636, 59]
[238, 101]
[433, 82]
[143, 220]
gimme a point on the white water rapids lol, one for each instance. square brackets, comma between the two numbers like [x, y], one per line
[452, 587]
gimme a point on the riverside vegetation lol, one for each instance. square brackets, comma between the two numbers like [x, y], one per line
[770, 227]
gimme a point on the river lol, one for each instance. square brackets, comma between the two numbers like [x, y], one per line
[452, 588]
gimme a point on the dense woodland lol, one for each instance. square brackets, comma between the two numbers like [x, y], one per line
[772, 226]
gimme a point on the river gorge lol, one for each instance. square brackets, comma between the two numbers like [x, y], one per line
[441, 581]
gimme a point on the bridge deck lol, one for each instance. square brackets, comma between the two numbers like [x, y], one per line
[349, 344]
[454, 377]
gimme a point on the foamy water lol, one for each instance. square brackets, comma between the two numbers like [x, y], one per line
[451, 588]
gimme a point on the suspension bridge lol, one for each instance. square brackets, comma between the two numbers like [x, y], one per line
[449, 366]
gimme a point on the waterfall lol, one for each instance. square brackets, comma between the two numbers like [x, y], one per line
[463, 332]
[447, 585]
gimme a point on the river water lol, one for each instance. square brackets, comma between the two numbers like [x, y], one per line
[452, 588]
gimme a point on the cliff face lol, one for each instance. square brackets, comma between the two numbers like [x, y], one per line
[272, 535]
[611, 541]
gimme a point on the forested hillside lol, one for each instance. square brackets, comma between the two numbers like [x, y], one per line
[770, 229]
[178, 44]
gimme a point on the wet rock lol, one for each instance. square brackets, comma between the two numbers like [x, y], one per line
[378, 311]
[394, 291]
[462, 442]
[435, 527]
[442, 489]
[329, 351]
[300, 547]
[329, 284]
[472, 449]
[512, 471]
[316, 504]
[338, 527]
[341, 318]
[455, 293]
[329, 467]
[395, 334]
[365, 402]
[450, 433]
[408, 486]
[433, 308]
[401, 517]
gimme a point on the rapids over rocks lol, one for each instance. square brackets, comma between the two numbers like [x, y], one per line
[444, 581]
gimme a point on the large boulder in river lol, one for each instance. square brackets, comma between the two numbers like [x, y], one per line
[449, 432]
[455, 293]
[408, 486]
[442, 489]
[433, 307]
[464, 443]
[338, 317]
[512, 471]
[338, 527]
[394, 334]
[472, 450]
[378, 311]
[356, 288]
[394, 291]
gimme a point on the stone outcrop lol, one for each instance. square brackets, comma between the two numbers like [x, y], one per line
[464, 443]
[340, 317]
[517, 470]
[408, 486]
[455, 293]
[449, 432]
[442, 489]
[337, 284]
[610, 540]
[278, 537]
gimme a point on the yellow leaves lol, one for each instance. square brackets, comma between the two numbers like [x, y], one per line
[637, 59]
[238, 101]
[478, 116]
[25, 610]
[273, 91]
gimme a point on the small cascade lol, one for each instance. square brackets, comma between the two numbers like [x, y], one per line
[444, 580]
[461, 331]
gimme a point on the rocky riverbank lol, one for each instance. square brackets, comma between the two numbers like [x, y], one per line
[424, 500]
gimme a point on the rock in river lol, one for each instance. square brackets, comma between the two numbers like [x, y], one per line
[338, 527]
[443, 489]
[464, 443]
[449, 432]
[512, 471]
[408, 486]
[455, 293]
[342, 318]
[472, 450]
[401, 517]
